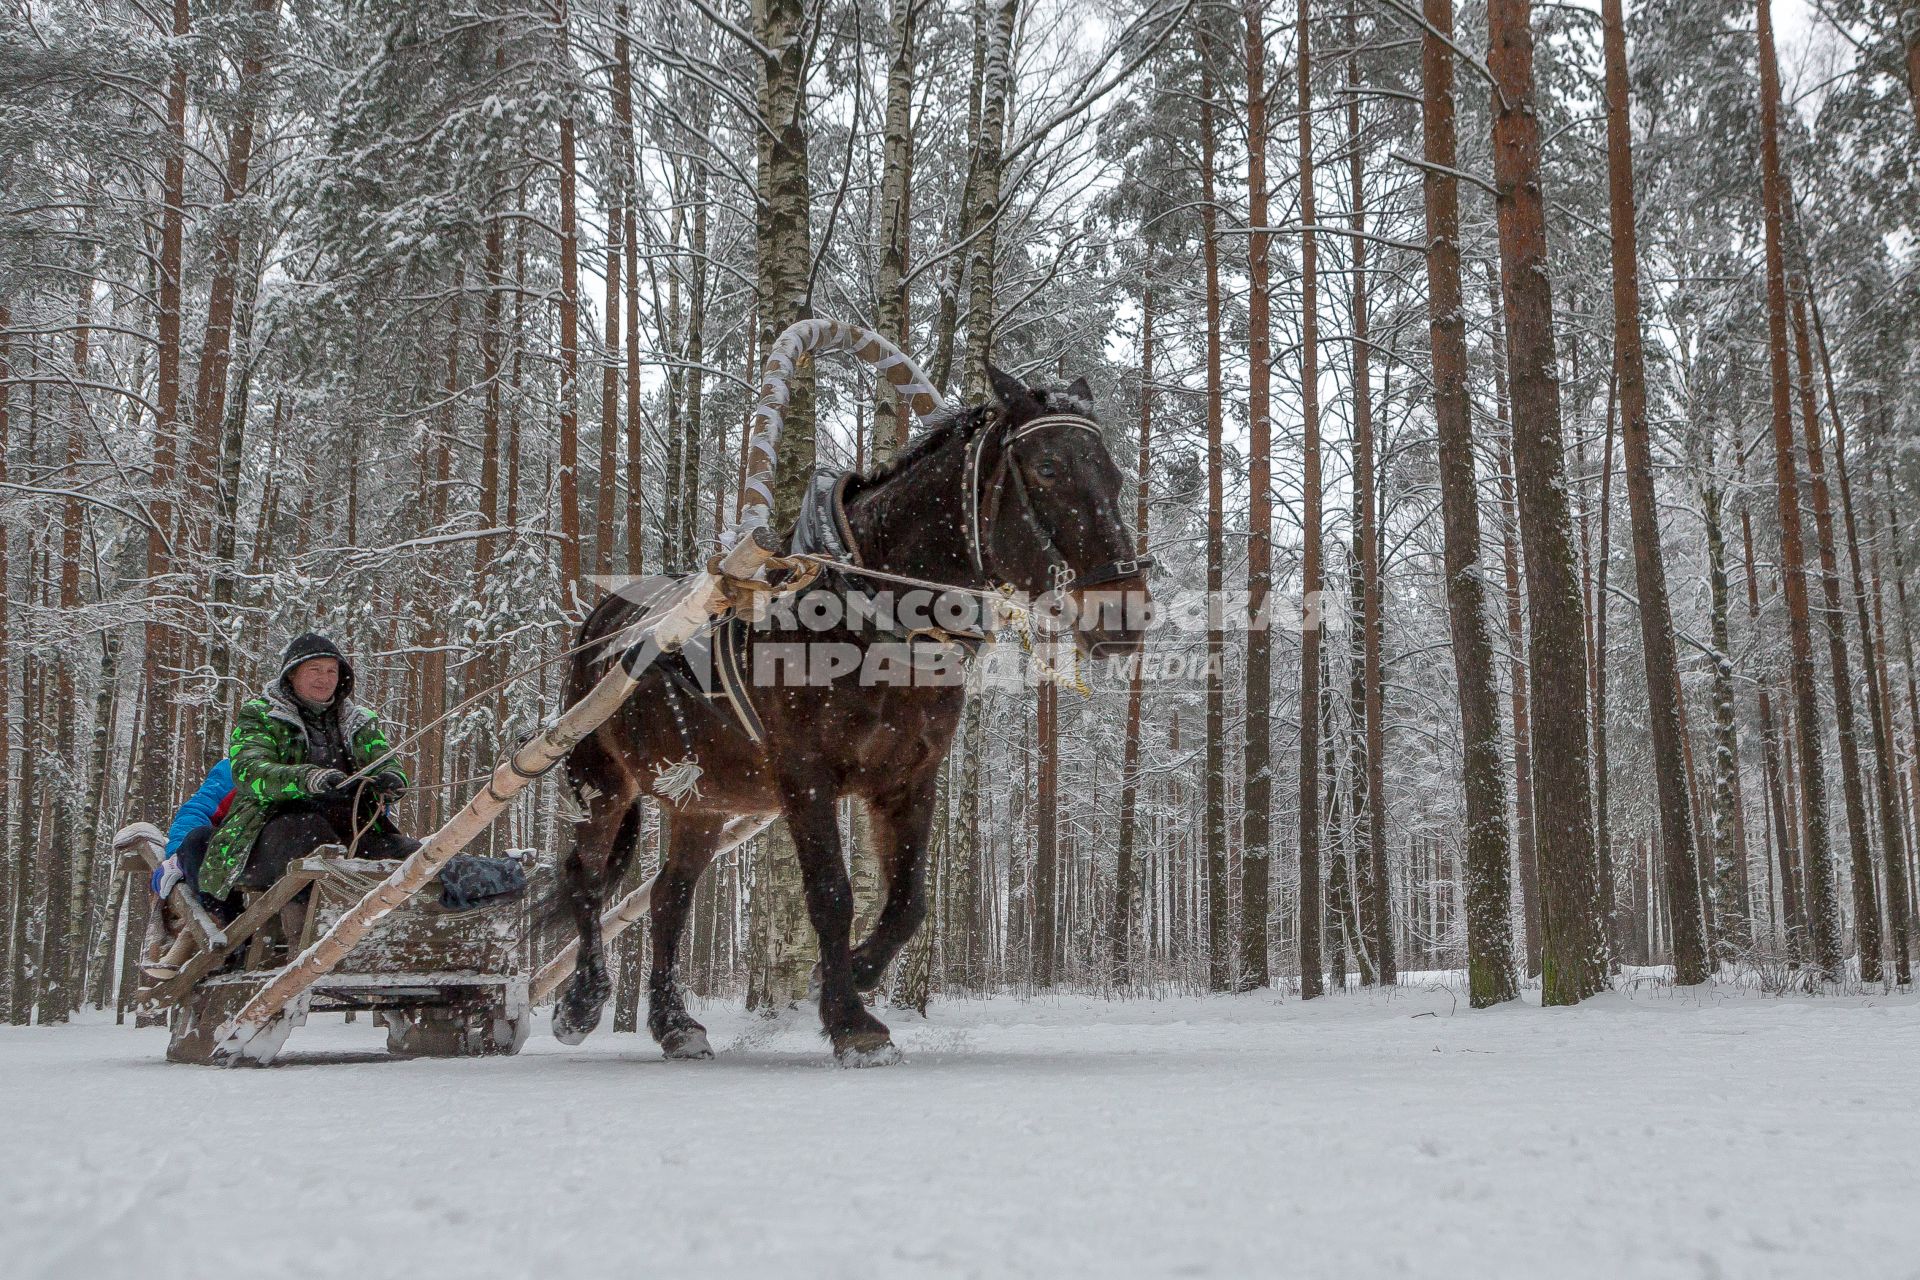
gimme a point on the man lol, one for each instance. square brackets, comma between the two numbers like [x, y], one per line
[293, 749]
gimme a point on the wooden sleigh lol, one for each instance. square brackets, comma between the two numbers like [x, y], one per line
[444, 983]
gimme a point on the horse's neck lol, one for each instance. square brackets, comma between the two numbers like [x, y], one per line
[912, 521]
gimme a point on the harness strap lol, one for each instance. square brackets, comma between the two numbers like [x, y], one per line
[1005, 471]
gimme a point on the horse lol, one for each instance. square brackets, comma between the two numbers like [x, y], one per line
[1018, 491]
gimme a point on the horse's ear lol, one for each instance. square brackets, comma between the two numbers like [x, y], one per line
[1080, 391]
[1007, 389]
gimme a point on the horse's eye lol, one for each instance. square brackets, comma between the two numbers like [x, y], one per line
[1046, 470]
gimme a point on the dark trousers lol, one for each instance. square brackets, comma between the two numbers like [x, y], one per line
[295, 829]
[193, 852]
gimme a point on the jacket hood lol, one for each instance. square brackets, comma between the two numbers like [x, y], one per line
[314, 645]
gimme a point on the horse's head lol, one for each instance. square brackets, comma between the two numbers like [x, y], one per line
[1046, 515]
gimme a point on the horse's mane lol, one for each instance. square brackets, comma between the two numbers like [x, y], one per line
[957, 420]
[940, 427]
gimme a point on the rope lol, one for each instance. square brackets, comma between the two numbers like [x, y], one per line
[1016, 616]
[366, 770]
[738, 591]
[992, 595]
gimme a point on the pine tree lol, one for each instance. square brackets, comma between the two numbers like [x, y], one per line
[1573, 941]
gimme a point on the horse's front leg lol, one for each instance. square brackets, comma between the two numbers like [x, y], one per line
[859, 1038]
[602, 847]
[902, 826]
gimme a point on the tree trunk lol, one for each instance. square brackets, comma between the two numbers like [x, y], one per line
[1901, 911]
[1490, 976]
[1782, 831]
[1598, 611]
[1216, 906]
[569, 461]
[996, 86]
[1731, 905]
[630, 242]
[896, 219]
[62, 926]
[1046, 836]
[1120, 935]
[695, 384]
[1519, 701]
[607, 473]
[1905, 611]
[1866, 908]
[1311, 585]
[13, 853]
[1342, 933]
[1650, 575]
[672, 340]
[970, 852]
[154, 771]
[784, 259]
[947, 318]
[1256, 839]
[1893, 847]
[1574, 946]
[485, 664]
[216, 347]
[1822, 907]
[1910, 38]
[91, 808]
[1350, 869]
[1376, 905]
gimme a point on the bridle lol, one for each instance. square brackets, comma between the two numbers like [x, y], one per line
[1006, 472]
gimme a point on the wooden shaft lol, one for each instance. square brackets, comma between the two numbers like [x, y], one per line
[627, 912]
[670, 625]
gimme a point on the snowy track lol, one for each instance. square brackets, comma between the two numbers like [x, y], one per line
[1650, 1134]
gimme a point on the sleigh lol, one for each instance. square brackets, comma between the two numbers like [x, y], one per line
[444, 983]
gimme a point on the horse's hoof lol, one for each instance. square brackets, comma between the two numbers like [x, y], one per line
[577, 1012]
[866, 1049]
[569, 1030]
[575, 1015]
[686, 1043]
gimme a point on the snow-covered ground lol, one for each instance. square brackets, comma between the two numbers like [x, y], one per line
[1647, 1133]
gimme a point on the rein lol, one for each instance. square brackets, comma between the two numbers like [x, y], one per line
[743, 591]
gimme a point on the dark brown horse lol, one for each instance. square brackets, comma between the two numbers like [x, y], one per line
[1021, 492]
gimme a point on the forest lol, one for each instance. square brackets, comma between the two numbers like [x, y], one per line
[1563, 351]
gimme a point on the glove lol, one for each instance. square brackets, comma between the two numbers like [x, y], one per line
[389, 785]
[167, 875]
[321, 780]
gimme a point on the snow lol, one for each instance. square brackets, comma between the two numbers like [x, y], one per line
[1649, 1133]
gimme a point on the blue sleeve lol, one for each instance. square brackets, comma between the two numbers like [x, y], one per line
[198, 810]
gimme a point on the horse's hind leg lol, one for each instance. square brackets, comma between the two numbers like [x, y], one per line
[691, 841]
[603, 846]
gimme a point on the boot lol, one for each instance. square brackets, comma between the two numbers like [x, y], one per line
[177, 951]
[158, 937]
